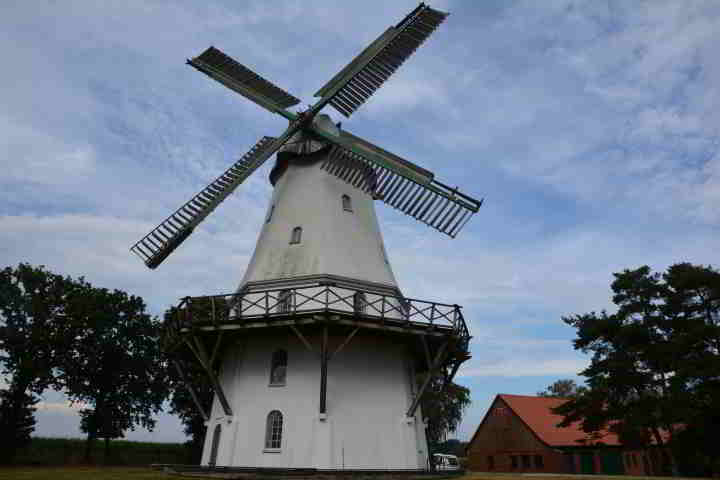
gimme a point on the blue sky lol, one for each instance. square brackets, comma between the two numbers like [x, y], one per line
[591, 128]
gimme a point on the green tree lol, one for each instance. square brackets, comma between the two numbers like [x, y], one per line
[114, 364]
[183, 405]
[32, 331]
[565, 388]
[443, 408]
[655, 361]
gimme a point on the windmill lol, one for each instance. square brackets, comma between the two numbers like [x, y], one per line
[395, 181]
[319, 290]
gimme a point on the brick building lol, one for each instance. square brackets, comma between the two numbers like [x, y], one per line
[519, 434]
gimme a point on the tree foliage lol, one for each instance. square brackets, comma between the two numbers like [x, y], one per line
[32, 310]
[114, 365]
[655, 362]
[565, 388]
[443, 408]
[97, 346]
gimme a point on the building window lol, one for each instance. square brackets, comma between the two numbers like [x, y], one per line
[539, 461]
[284, 301]
[359, 303]
[278, 368]
[347, 203]
[296, 236]
[513, 461]
[269, 217]
[491, 462]
[273, 430]
[526, 461]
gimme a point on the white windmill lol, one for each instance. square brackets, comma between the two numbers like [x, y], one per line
[314, 359]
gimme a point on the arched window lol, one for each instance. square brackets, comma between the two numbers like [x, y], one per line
[269, 217]
[278, 367]
[359, 302]
[296, 235]
[273, 430]
[215, 445]
[347, 203]
[284, 303]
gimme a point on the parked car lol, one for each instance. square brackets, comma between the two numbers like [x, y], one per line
[444, 461]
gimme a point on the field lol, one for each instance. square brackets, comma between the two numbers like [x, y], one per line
[140, 473]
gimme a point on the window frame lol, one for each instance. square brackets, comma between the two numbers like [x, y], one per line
[347, 203]
[360, 303]
[296, 236]
[284, 301]
[278, 360]
[273, 425]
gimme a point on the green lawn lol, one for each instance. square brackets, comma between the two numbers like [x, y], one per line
[145, 473]
[82, 473]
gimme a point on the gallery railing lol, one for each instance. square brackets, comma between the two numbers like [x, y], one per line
[239, 308]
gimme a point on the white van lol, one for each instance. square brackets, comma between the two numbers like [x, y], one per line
[446, 462]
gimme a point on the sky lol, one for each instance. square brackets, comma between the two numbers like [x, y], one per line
[589, 127]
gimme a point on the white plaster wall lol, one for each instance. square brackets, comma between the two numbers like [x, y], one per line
[368, 393]
[334, 241]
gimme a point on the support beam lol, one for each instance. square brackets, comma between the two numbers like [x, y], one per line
[342, 345]
[216, 348]
[323, 371]
[201, 355]
[196, 400]
[426, 349]
[428, 377]
[302, 338]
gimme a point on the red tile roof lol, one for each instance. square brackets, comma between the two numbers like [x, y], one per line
[536, 413]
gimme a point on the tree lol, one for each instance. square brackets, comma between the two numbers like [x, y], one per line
[655, 360]
[114, 364]
[183, 405]
[565, 388]
[32, 331]
[443, 408]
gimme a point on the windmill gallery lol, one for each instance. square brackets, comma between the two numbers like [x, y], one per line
[313, 360]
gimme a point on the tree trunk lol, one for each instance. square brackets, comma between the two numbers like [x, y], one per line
[107, 451]
[88, 447]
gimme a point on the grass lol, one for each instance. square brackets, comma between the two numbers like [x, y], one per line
[70, 451]
[145, 473]
[82, 473]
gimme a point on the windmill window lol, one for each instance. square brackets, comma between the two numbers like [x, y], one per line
[278, 368]
[296, 236]
[269, 217]
[347, 203]
[513, 461]
[539, 461]
[526, 461]
[359, 302]
[273, 431]
[284, 301]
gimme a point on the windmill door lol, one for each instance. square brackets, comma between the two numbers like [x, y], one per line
[215, 445]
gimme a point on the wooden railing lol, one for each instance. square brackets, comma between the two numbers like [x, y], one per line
[269, 304]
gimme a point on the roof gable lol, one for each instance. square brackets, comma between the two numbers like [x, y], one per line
[536, 413]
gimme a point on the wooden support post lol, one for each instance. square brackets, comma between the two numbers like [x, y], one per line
[426, 349]
[216, 348]
[342, 345]
[428, 377]
[323, 371]
[202, 357]
[196, 400]
[302, 338]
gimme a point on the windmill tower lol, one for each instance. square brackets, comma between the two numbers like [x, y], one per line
[314, 360]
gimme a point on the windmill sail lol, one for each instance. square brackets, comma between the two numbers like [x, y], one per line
[355, 83]
[237, 77]
[399, 183]
[155, 247]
